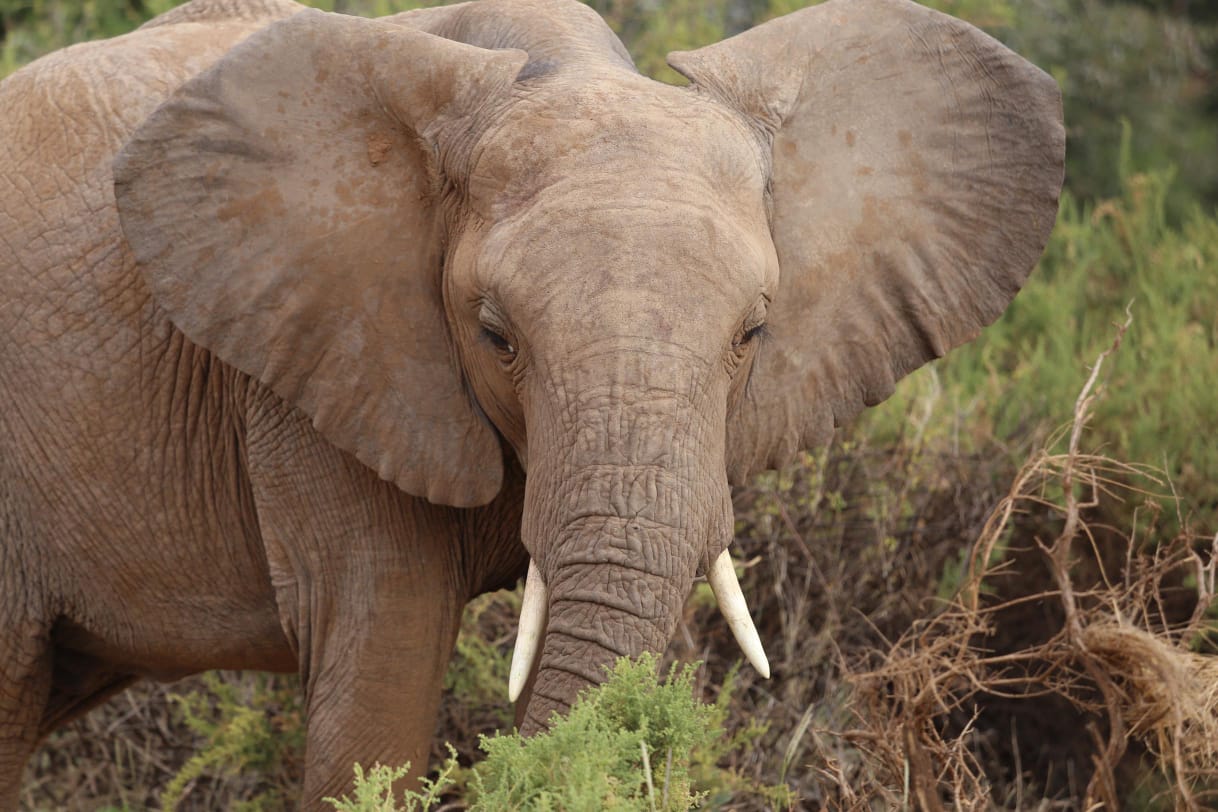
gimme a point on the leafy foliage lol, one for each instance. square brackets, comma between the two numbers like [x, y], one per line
[601, 756]
[1117, 62]
[634, 743]
[374, 791]
[31, 28]
[251, 726]
[479, 669]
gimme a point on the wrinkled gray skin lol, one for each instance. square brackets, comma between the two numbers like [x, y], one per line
[286, 317]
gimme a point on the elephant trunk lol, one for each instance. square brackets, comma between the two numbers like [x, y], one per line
[614, 586]
[626, 498]
[591, 626]
[618, 532]
[534, 610]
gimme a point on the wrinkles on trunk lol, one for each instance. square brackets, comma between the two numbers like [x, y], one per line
[617, 579]
[598, 613]
[626, 495]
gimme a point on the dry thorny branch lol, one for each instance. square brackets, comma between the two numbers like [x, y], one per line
[1118, 658]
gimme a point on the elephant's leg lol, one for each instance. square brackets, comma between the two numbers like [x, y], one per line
[25, 682]
[373, 687]
[369, 593]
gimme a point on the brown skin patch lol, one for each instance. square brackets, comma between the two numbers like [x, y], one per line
[253, 210]
[379, 145]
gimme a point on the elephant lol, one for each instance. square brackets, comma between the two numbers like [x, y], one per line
[316, 326]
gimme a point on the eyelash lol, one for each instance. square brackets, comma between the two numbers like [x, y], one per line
[760, 331]
[497, 341]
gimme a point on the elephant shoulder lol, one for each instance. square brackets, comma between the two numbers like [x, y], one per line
[89, 97]
[65, 117]
[203, 11]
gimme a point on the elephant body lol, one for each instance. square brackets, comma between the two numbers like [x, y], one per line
[292, 301]
[162, 513]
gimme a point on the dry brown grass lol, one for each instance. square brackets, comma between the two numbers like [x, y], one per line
[119, 755]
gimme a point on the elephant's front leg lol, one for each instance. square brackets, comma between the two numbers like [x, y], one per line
[368, 590]
[373, 672]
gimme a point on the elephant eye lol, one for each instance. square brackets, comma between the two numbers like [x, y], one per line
[757, 331]
[499, 342]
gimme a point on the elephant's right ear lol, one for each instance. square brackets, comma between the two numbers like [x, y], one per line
[283, 208]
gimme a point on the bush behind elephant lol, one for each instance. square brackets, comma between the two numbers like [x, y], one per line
[316, 326]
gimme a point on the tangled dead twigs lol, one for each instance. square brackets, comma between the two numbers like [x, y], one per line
[1118, 658]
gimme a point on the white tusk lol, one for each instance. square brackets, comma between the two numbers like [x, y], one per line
[723, 583]
[532, 626]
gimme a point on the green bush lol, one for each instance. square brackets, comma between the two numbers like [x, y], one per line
[251, 728]
[31, 28]
[601, 756]
[374, 791]
[1117, 61]
[478, 671]
[634, 743]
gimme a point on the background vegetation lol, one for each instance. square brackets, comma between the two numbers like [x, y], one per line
[927, 650]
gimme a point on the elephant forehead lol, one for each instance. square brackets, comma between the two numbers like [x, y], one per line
[668, 141]
[630, 234]
[624, 261]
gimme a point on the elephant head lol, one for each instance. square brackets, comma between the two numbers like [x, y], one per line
[477, 230]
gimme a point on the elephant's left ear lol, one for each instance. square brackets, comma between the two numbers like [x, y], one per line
[916, 167]
[285, 210]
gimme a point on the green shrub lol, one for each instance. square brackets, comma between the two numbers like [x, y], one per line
[478, 671]
[633, 743]
[1117, 61]
[251, 728]
[374, 791]
[31, 28]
